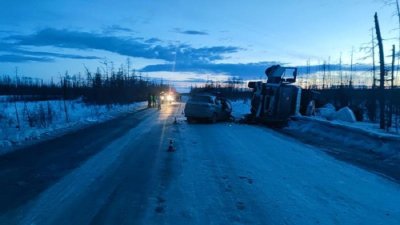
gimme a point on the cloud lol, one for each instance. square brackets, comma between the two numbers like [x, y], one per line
[134, 47]
[117, 28]
[333, 67]
[194, 80]
[190, 32]
[17, 54]
[248, 70]
[178, 57]
[10, 58]
[152, 40]
[6, 47]
[56, 55]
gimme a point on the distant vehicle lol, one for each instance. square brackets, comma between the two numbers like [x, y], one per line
[167, 97]
[207, 107]
[275, 101]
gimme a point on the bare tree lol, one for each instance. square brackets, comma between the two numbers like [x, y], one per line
[392, 85]
[340, 70]
[17, 115]
[64, 81]
[397, 14]
[373, 60]
[382, 73]
[351, 68]
[324, 75]
[128, 65]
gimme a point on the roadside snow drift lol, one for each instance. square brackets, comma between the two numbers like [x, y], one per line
[24, 121]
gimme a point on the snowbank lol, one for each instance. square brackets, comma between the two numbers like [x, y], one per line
[358, 135]
[329, 112]
[25, 121]
[240, 108]
[341, 129]
[345, 114]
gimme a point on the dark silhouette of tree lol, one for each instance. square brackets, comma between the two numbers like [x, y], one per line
[116, 87]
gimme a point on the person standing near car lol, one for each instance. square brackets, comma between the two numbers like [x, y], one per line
[148, 100]
[153, 100]
[159, 102]
[224, 105]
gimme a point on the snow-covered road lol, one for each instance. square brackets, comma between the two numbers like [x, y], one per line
[260, 177]
[219, 174]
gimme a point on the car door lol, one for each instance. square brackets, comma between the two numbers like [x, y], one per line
[226, 108]
[218, 108]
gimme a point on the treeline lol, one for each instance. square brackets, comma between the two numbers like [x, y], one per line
[118, 87]
[364, 102]
[233, 88]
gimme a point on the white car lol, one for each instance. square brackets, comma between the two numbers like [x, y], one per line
[207, 107]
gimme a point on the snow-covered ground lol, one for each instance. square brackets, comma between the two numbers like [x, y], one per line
[4, 98]
[24, 121]
[222, 173]
[240, 108]
[345, 117]
[364, 127]
[252, 175]
[362, 135]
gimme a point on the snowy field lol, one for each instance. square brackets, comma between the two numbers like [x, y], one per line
[24, 121]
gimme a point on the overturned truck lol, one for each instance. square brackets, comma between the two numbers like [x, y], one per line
[275, 101]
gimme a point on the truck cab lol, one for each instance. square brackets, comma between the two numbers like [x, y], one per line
[276, 100]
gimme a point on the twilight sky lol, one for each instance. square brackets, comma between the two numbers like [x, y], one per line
[185, 40]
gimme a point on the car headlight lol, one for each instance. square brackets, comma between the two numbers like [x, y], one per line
[162, 97]
[170, 97]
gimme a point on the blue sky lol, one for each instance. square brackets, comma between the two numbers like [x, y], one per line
[184, 40]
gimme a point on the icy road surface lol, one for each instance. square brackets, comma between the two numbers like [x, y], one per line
[119, 172]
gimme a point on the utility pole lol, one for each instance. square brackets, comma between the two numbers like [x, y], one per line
[340, 70]
[351, 68]
[393, 59]
[382, 73]
[15, 102]
[373, 60]
[308, 73]
[329, 72]
[16, 77]
[324, 76]
[391, 87]
[398, 16]
[128, 64]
